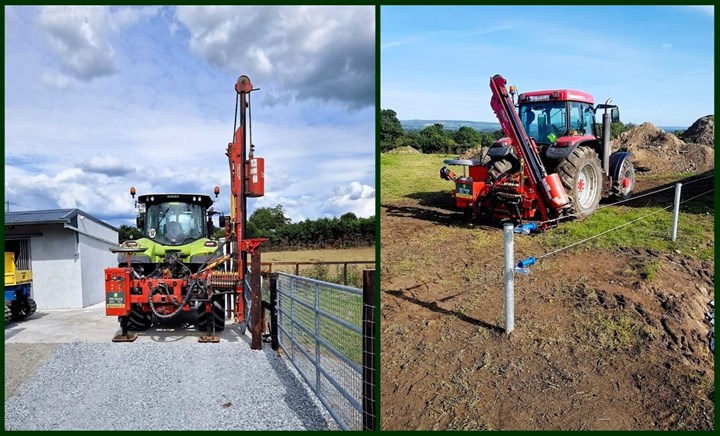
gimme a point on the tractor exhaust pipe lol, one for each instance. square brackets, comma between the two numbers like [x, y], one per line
[606, 126]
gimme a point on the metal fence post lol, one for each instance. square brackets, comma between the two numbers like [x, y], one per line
[509, 279]
[317, 336]
[292, 317]
[368, 350]
[676, 211]
[256, 299]
[275, 343]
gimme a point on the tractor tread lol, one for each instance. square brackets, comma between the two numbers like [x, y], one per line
[139, 320]
[567, 170]
[217, 315]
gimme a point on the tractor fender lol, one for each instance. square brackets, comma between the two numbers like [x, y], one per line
[499, 150]
[616, 162]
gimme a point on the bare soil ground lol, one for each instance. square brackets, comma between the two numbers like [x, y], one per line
[604, 339]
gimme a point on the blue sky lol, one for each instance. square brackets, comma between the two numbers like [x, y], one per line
[98, 99]
[657, 62]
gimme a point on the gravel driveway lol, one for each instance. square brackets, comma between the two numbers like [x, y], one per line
[163, 381]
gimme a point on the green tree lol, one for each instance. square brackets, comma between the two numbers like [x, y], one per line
[390, 129]
[467, 137]
[267, 219]
[126, 232]
[433, 139]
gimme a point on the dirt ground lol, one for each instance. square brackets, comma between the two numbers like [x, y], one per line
[603, 340]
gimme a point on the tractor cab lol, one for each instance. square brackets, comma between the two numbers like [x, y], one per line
[559, 116]
[174, 219]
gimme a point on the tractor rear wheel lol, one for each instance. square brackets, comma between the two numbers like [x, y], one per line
[581, 176]
[217, 314]
[622, 188]
[137, 319]
[8, 314]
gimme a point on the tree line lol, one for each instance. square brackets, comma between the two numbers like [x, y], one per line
[347, 231]
[436, 139]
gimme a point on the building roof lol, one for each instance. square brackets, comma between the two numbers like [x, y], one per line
[53, 216]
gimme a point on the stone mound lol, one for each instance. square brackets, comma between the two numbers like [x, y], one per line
[404, 150]
[702, 131]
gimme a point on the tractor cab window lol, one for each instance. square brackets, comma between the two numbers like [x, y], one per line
[582, 118]
[174, 223]
[542, 119]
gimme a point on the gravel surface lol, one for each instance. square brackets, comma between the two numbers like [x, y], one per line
[21, 362]
[149, 386]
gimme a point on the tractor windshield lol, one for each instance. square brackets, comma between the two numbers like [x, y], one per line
[174, 223]
[540, 120]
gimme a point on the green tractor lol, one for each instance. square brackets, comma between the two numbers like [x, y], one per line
[177, 241]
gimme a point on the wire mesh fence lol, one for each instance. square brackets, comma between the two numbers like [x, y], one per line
[320, 328]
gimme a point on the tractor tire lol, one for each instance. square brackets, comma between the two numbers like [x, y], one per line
[8, 314]
[581, 175]
[22, 309]
[622, 189]
[139, 320]
[217, 314]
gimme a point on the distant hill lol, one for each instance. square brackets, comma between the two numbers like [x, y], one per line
[481, 125]
[449, 124]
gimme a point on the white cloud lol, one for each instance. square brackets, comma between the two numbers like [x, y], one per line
[80, 36]
[309, 52]
[108, 165]
[666, 45]
[708, 10]
[56, 80]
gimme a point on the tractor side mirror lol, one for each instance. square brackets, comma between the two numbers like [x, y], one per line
[221, 221]
[140, 222]
[210, 227]
[615, 115]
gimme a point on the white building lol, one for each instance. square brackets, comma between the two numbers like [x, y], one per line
[67, 251]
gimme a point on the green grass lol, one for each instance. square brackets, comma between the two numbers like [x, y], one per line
[408, 174]
[695, 230]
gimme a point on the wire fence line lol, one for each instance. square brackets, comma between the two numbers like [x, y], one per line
[618, 227]
[633, 198]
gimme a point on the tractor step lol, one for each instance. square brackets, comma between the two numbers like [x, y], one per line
[130, 337]
[209, 338]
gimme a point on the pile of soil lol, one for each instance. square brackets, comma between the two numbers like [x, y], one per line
[702, 131]
[658, 151]
[403, 150]
[476, 153]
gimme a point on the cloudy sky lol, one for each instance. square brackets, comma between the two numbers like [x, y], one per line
[657, 62]
[98, 99]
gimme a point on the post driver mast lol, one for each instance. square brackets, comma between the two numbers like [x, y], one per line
[247, 179]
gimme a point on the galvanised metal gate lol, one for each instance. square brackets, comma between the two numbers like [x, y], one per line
[323, 329]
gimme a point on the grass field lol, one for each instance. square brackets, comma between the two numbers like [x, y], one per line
[345, 254]
[416, 176]
[403, 175]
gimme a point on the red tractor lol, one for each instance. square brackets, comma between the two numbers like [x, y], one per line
[551, 164]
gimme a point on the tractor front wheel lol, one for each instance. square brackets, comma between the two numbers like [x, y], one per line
[581, 176]
[8, 314]
[217, 314]
[137, 319]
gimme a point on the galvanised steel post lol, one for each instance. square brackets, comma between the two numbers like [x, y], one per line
[676, 211]
[509, 279]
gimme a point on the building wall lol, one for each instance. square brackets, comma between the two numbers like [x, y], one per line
[55, 267]
[95, 256]
[68, 265]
